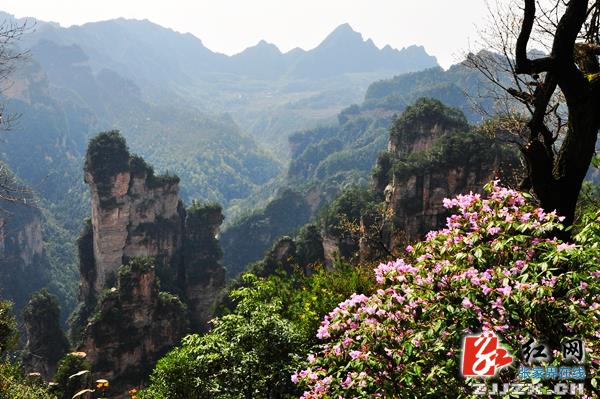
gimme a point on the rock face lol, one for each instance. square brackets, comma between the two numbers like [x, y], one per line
[46, 342]
[124, 323]
[134, 325]
[24, 267]
[134, 213]
[201, 252]
[433, 154]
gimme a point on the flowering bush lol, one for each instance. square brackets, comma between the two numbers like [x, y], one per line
[495, 266]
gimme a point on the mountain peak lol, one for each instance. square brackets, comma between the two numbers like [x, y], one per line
[345, 27]
[266, 45]
[263, 48]
[343, 32]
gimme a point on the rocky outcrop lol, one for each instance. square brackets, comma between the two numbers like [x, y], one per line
[24, 267]
[133, 326]
[433, 154]
[134, 212]
[201, 256]
[417, 200]
[124, 322]
[335, 246]
[46, 342]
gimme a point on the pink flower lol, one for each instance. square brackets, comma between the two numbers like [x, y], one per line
[565, 247]
[355, 354]
[493, 230]
[466, 302]
[505, 290]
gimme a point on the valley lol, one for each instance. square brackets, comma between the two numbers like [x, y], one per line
[323, 222]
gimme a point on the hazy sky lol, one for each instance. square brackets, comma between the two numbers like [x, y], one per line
[445, 27]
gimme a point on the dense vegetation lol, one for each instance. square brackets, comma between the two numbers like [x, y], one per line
[252, 351]
[386, 339]
[493, 267]
[14, 383]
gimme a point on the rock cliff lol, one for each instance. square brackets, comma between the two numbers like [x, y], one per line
[434, 154]
[201, 253]
[140, 233]
[134, 212]
[133, 326]
[24, 267]
[46, 342]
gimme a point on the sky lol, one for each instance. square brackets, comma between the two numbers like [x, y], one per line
[446, 28]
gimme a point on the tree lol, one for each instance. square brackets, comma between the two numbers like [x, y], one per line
[10, 189]
[8, 327]
[559, 92]
[247, 354]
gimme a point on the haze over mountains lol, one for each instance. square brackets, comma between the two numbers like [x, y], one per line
[219, 122]
[270, 94]
[144, 51]
[134, 75]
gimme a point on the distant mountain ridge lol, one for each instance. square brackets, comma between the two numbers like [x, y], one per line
[135, 49]
[269, 94]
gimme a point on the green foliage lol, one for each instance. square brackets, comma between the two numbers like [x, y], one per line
[137, 265]
[14, 384]
[107, 155]
[246, 354]
[497, 267]
[9, 334]
[309, 246]
[67, 378]
[250, 351]
[41, 304]
[307, 298]
[422, 116]
[348, 207]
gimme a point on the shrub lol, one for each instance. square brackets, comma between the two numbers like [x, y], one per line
[15, 384]
[495, 267]
[251, 351]
[9, 334]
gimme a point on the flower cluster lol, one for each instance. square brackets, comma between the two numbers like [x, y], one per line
[496, 265]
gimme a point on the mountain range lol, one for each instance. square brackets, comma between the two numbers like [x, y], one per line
[219, 122]
[146, 52]
[267, 92]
